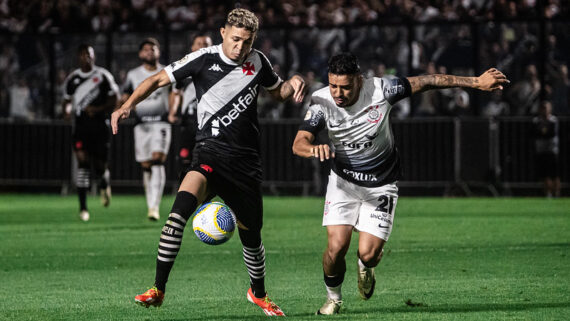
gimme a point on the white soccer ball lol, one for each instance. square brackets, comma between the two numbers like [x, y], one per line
[214, 223]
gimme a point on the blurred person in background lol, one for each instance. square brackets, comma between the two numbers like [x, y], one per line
[523, 95]
[546, 149]
[90, 93]
[20, 100]
[152, 133]
[183, 107]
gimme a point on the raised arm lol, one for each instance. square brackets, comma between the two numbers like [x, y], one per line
[491, 79]
[295, 87]
[146, 88]
[302, 146]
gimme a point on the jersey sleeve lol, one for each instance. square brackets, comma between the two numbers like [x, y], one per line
[67, 87]
[113, 87]
[314, 120]
[269, 78]
[186, 67]
[395, 89]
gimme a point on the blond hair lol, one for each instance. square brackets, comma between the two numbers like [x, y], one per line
[243, 18]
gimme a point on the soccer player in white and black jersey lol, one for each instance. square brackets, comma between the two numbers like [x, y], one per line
[362, 192]
[227, 79]
[90, 93]
[152, 132]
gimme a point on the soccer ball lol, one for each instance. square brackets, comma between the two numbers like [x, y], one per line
[214, 223]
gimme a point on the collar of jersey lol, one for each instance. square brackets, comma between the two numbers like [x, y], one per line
[86, 74]
[227, 60]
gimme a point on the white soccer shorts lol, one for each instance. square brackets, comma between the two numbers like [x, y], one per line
[151, 137]
[368, 209]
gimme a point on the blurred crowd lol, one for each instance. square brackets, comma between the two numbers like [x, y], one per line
[136, 15]
[463, 37]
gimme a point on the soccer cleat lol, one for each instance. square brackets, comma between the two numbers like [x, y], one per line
[366, 282]
[330, 307]
[153, 214]
[265, 303]
[84, 216]
[152, 296]
[105, 196]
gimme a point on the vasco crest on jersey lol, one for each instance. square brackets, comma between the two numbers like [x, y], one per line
[374, 114]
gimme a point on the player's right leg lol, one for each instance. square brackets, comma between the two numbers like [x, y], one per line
[340, 215]
[192, 191]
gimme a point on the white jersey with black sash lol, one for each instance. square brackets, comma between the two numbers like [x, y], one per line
[226, 94]
[361, 136]
[89, 88]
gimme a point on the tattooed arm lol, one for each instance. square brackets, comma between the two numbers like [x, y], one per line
[490, 80]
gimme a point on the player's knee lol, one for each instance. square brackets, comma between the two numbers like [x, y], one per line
[371, 257]
[337, 248]
[158, 158]
[250, 238]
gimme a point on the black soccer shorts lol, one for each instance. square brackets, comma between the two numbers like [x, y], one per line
[237, 180]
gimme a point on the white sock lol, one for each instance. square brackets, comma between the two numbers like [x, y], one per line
[362, 266]
[334, 293]
[147, 189]
[157, 181]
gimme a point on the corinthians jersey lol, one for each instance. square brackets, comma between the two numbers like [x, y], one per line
[155, 106]
[226, 93]
[361, 136]
[89, 88]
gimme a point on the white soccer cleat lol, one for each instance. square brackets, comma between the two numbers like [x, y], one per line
[330, 307]
[105, 196]
[84, 216]
[153, 214]
[366, 282]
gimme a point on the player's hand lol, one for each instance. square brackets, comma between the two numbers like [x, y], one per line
[298, 84]
[492, 79]
[173, 119]
[119, 114]
[322, 152]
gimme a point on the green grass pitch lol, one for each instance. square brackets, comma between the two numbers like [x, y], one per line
[447, 259]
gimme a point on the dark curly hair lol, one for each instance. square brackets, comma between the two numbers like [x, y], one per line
[344, 63]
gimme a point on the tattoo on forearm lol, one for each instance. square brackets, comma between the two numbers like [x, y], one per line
[427, 82]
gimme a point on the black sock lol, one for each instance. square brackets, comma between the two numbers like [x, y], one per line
[82, 183]
[333, 281]
[82, 193]
[171, 237]
[254, 259]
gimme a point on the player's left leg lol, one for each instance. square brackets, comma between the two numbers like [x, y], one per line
[375, 222]
[247, 203]
[370, 251]
[104, 180]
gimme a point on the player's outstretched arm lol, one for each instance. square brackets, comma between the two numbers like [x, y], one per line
[146, 88]
[491, 79]
[302, 146]
[295, 87]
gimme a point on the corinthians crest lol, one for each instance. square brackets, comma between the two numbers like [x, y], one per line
[374, 115]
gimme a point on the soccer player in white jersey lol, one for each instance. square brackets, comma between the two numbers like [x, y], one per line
[152, 133]
[90, 93]
[184, 95]
[362, 192]
[226, 160]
